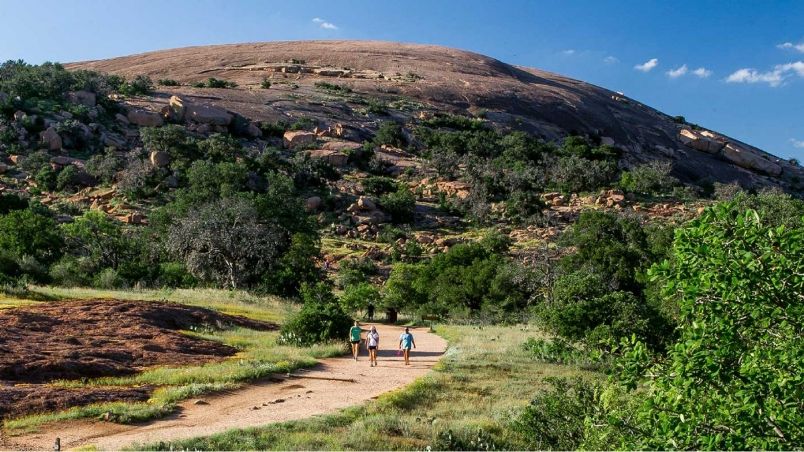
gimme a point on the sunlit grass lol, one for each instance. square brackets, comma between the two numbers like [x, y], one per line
[483, 381]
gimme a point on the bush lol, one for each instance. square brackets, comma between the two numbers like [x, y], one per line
[649, 179]
[265, 84]
[213, 82]
[333, 88]
[168, 82]
[572, 174]
[104, 167]
[353, 271]
[46, 178]
[555, 418]
[389, 133]
[141, 85]
[67, 180]
[401, 205]
[379, 185]
[321, 319]
[108, 278]
[25, 232]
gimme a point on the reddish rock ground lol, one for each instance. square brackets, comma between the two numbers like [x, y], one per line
[97, 338]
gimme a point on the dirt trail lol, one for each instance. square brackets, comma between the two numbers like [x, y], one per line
[333, 384]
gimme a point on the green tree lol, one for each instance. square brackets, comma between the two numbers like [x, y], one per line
[734, 379]
[27, 233]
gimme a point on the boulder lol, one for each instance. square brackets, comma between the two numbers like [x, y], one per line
[3, 168]
[177, 110]
[608, 141]
[51, 139]
[19, 115]
[159, 159]
[296, 138]
[145, 118]
[339, 145]
[703, 141]
[253, 130]
[366, 203]
[313, 203]
[207, 114]
[86, 98]
[751, 160]
[62, 160]
[121, 119]
[334, 158]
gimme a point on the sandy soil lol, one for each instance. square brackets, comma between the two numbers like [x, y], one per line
[335, 383]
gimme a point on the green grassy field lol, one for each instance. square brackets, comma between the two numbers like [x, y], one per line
[477, 389]
[259, 355]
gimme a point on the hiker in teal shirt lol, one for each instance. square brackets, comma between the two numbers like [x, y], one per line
[405, 343]
[354, 338]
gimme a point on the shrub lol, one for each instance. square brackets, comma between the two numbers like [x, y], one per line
[321, 319]
[389, 133]
[333, 88]
[67, 180]
[265, 84]
[141, 85]
[108, 278]
[379, 185]
[46, 178]
[104, 167]
[650, 179]
[572, 174]
[475, 440]
[555, 418]
[168, 82]
[25, 232]
[213, 82]
[401, 205]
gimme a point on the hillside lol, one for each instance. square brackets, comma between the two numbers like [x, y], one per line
[425, 79]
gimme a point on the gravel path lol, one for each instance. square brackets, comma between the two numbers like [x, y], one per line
[333, 384]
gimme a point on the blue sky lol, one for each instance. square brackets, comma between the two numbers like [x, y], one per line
[738, 66]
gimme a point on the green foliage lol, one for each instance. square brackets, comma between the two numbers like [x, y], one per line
[173, 140]
[67, 179]
[379, 185]
[734, 378]
[601, 294]
[468, 280]
[649, 179]
[353, 271]
[140, 86]
[104, 167]
[401, 205]
[321, 319]
[220, 147]
[25, 232]
[333, 88]
[389, 133]
[265, 84]
[10, 202]
[358, 296]
[296, 267]
[46, 178]
[168, 82]
[555, 419]
[476, 440]
[213, 82]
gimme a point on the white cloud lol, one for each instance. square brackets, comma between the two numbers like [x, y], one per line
[568, 52]
[797, 143]
[648, 65]
[774, 77]
[611, 60]
[677, 72]
[324, 24]
[789, 45]
[702, 72]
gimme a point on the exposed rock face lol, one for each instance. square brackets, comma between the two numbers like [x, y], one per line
[295, 139]
[144, 118]
[702, 141]
[207, 114]
[749, 159]
[51, 139]
[334, 158]
[440, 79]
[337, 145]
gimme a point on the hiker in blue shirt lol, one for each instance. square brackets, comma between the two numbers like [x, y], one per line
[405, 343]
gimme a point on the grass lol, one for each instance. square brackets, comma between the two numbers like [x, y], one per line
[259, 355]
[481, 384]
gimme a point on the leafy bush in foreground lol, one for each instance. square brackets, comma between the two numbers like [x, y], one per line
[321, 319]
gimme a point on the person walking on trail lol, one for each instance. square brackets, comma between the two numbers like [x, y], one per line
[373, 343]
[405, 343]
[354, 338]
